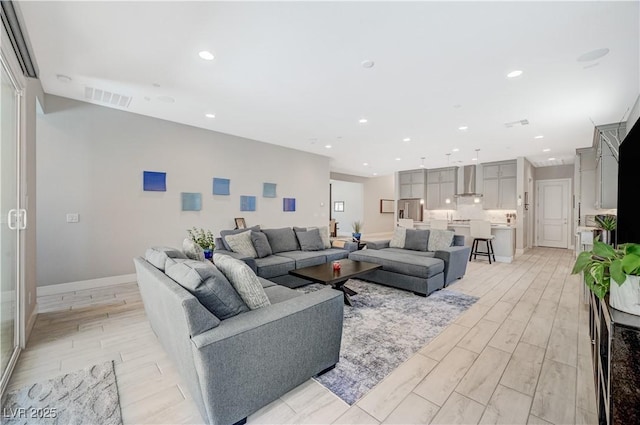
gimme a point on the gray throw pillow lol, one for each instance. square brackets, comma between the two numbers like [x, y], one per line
[310, 240]
[282, 240]
[192, 250]
[416, 240]
[241, 243]
[205, 282]
[224, 233]
[440, 239]
[261, 244]
[301, 229]
[243, 279]
[158, 255]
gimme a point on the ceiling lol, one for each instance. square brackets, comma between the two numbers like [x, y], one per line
[291, 73]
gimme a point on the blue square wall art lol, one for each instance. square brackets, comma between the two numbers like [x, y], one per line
[221, 186]
[191, 201]
[154, 181]
[247, 203]
[288, 204]
[268, 190]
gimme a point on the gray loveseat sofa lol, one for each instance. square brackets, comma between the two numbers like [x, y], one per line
[286, 255]
[414, 267]
[235, 366]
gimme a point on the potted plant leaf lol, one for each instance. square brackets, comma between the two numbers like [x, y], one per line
[357, 226]
[204, 238]
[608, 224]
[605, 263]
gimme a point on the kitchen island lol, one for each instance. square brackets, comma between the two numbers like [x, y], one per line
[504, 242]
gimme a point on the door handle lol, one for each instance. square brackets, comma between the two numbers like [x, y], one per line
[11, 216]
[23, 219]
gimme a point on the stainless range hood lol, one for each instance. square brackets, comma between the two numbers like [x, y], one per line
[469, 182]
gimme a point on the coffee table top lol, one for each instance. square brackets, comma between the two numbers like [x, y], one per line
[324, 273]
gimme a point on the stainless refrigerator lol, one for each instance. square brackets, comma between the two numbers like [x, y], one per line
[410, 208]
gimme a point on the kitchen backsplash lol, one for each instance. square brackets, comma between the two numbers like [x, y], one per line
[468, 210]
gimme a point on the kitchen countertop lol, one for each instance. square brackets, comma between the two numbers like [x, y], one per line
[466, 224]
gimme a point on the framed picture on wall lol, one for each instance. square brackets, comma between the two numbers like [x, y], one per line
[240, 224]
[386, 205]
[338, 206]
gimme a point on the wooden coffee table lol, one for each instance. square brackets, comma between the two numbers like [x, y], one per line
[324, 273]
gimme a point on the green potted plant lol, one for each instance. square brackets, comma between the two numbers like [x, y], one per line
[357, 226]
[608, 224]
[622, 265]
[204, 238]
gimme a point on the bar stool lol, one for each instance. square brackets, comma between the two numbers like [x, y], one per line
[480, 230]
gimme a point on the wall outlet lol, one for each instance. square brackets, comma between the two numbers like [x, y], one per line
[73, 217]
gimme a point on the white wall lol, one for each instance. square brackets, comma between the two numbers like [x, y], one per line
[90, 161]
[352, 195]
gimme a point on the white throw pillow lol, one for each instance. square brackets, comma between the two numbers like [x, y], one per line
[399, 237]
[324, 235]
[440, 239]
[192, 250]
[241, 243]
[243, 279]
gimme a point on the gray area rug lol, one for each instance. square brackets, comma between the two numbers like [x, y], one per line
[87, 396]
[384, 328]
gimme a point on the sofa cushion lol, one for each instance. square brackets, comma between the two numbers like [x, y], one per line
[241, 243]
[205, 282]
[192, 250]
[261, 244]
[310, 240]
[416, 240]
[158, 255]
[417, 253]
[243, 279]
[277, 293]
[440, 239]
[274, 265]
[406, 263]
[398, 238]
[282, 240]
[324, 234]
[224, 233]
[265, 283]
[334, 254]
[305, 258]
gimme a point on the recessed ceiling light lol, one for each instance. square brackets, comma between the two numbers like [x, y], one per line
[457, 106]
[593, 55]
[540, 136]
[398, 159]
[406, 139]
[546, 150]
[474, 159]
[552, 159]
[455, 150]
[210, 115]
[166, 99]
[206, 55]
[156, 85]
[463, 128]
[375, 174]
[327, 146]
[514, 74]
[367, 63]
[63, 78]
[365, 163]
[363, 120]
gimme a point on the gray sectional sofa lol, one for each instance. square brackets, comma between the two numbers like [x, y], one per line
[286, 254]
[232, 367]
[413, 267]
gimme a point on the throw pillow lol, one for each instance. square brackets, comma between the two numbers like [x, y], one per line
[324, 235]
[225, 233]
[241, 243]
[416, 240]
[158, 255]
[243, 279]
[399, 237]
[310, 240]
[205, 282]
[261, 244]
[440, 239]
[192, 250]
[282, 240]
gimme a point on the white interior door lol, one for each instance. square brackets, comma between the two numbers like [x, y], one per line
[552, 213]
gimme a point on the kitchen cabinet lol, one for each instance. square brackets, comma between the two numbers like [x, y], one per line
[499, 185]
[411, 184]
[441, 185]
[607, 164]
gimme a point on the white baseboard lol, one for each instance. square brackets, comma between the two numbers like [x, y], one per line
[519, 251]
[500, 259]
[61, 288]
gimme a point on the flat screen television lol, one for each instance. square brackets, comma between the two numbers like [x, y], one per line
[628, 188]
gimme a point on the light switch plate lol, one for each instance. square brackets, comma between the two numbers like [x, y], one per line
[73, 217]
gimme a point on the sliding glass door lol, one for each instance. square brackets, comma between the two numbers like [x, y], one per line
[10, 221]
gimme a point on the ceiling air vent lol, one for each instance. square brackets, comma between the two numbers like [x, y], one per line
[106, 97]
[514, 123]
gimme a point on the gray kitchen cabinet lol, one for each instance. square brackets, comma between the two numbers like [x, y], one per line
[441, 185]
[411, 184]
[499, 185]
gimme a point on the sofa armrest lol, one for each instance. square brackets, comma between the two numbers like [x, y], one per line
[346, 245]
[253, 358]
[251, 262]
[455, 262]
[378, 244]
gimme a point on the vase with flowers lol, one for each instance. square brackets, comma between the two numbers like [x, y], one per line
[204, 238]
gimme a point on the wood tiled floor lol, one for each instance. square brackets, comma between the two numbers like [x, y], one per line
[520, 355]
